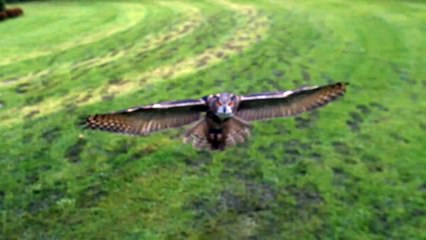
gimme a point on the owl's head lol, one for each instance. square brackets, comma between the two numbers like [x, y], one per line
[224, 105]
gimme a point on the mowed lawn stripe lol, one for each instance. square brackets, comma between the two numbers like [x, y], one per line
[121, 51]
[251, 31]
[128, 15]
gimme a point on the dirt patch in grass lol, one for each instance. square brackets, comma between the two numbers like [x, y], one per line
[23, 88]
[73, 152]
[45, 199]
[50, 135]
[308, 121]
[341, 148]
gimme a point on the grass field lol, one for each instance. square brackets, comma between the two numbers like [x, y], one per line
[355, 169]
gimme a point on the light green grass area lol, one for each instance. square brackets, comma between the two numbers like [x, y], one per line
[355, 169]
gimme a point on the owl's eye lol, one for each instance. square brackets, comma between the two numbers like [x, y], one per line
[218, 103]
[231, 104]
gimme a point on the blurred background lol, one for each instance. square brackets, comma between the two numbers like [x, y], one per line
[355, 169]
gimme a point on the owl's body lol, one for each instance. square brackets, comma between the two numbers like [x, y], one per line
[219, 120]
[215, 133]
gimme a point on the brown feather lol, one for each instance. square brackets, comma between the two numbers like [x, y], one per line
[147, 119]
[290, 103]
[231, 132]
[236, 131]
[197, 135]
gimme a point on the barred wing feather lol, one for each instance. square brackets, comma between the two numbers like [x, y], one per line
[288, 103]
[146, 119]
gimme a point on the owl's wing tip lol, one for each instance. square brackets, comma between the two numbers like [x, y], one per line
[342, 84]
[84, 122]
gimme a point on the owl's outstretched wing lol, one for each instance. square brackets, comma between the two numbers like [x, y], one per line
[146, 119]
[288, 103]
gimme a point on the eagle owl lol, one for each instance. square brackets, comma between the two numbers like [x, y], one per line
[218, 120]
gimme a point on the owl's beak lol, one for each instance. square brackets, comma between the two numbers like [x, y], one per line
[224, 112]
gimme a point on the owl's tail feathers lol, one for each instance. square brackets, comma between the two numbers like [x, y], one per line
[233, 131]
[236, 131]
[198, 135]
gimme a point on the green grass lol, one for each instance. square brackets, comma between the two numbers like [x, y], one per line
[355, 169]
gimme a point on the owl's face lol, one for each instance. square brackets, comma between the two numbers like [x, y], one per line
[224, 105]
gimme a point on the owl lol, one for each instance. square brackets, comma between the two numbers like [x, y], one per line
[218, 120]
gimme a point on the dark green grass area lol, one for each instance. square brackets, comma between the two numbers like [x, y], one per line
[355, 169]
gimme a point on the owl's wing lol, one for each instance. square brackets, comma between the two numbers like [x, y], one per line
[146, 119]
[288, 103]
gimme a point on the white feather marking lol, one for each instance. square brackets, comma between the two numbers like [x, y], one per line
[286, 93]
[147, 127]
